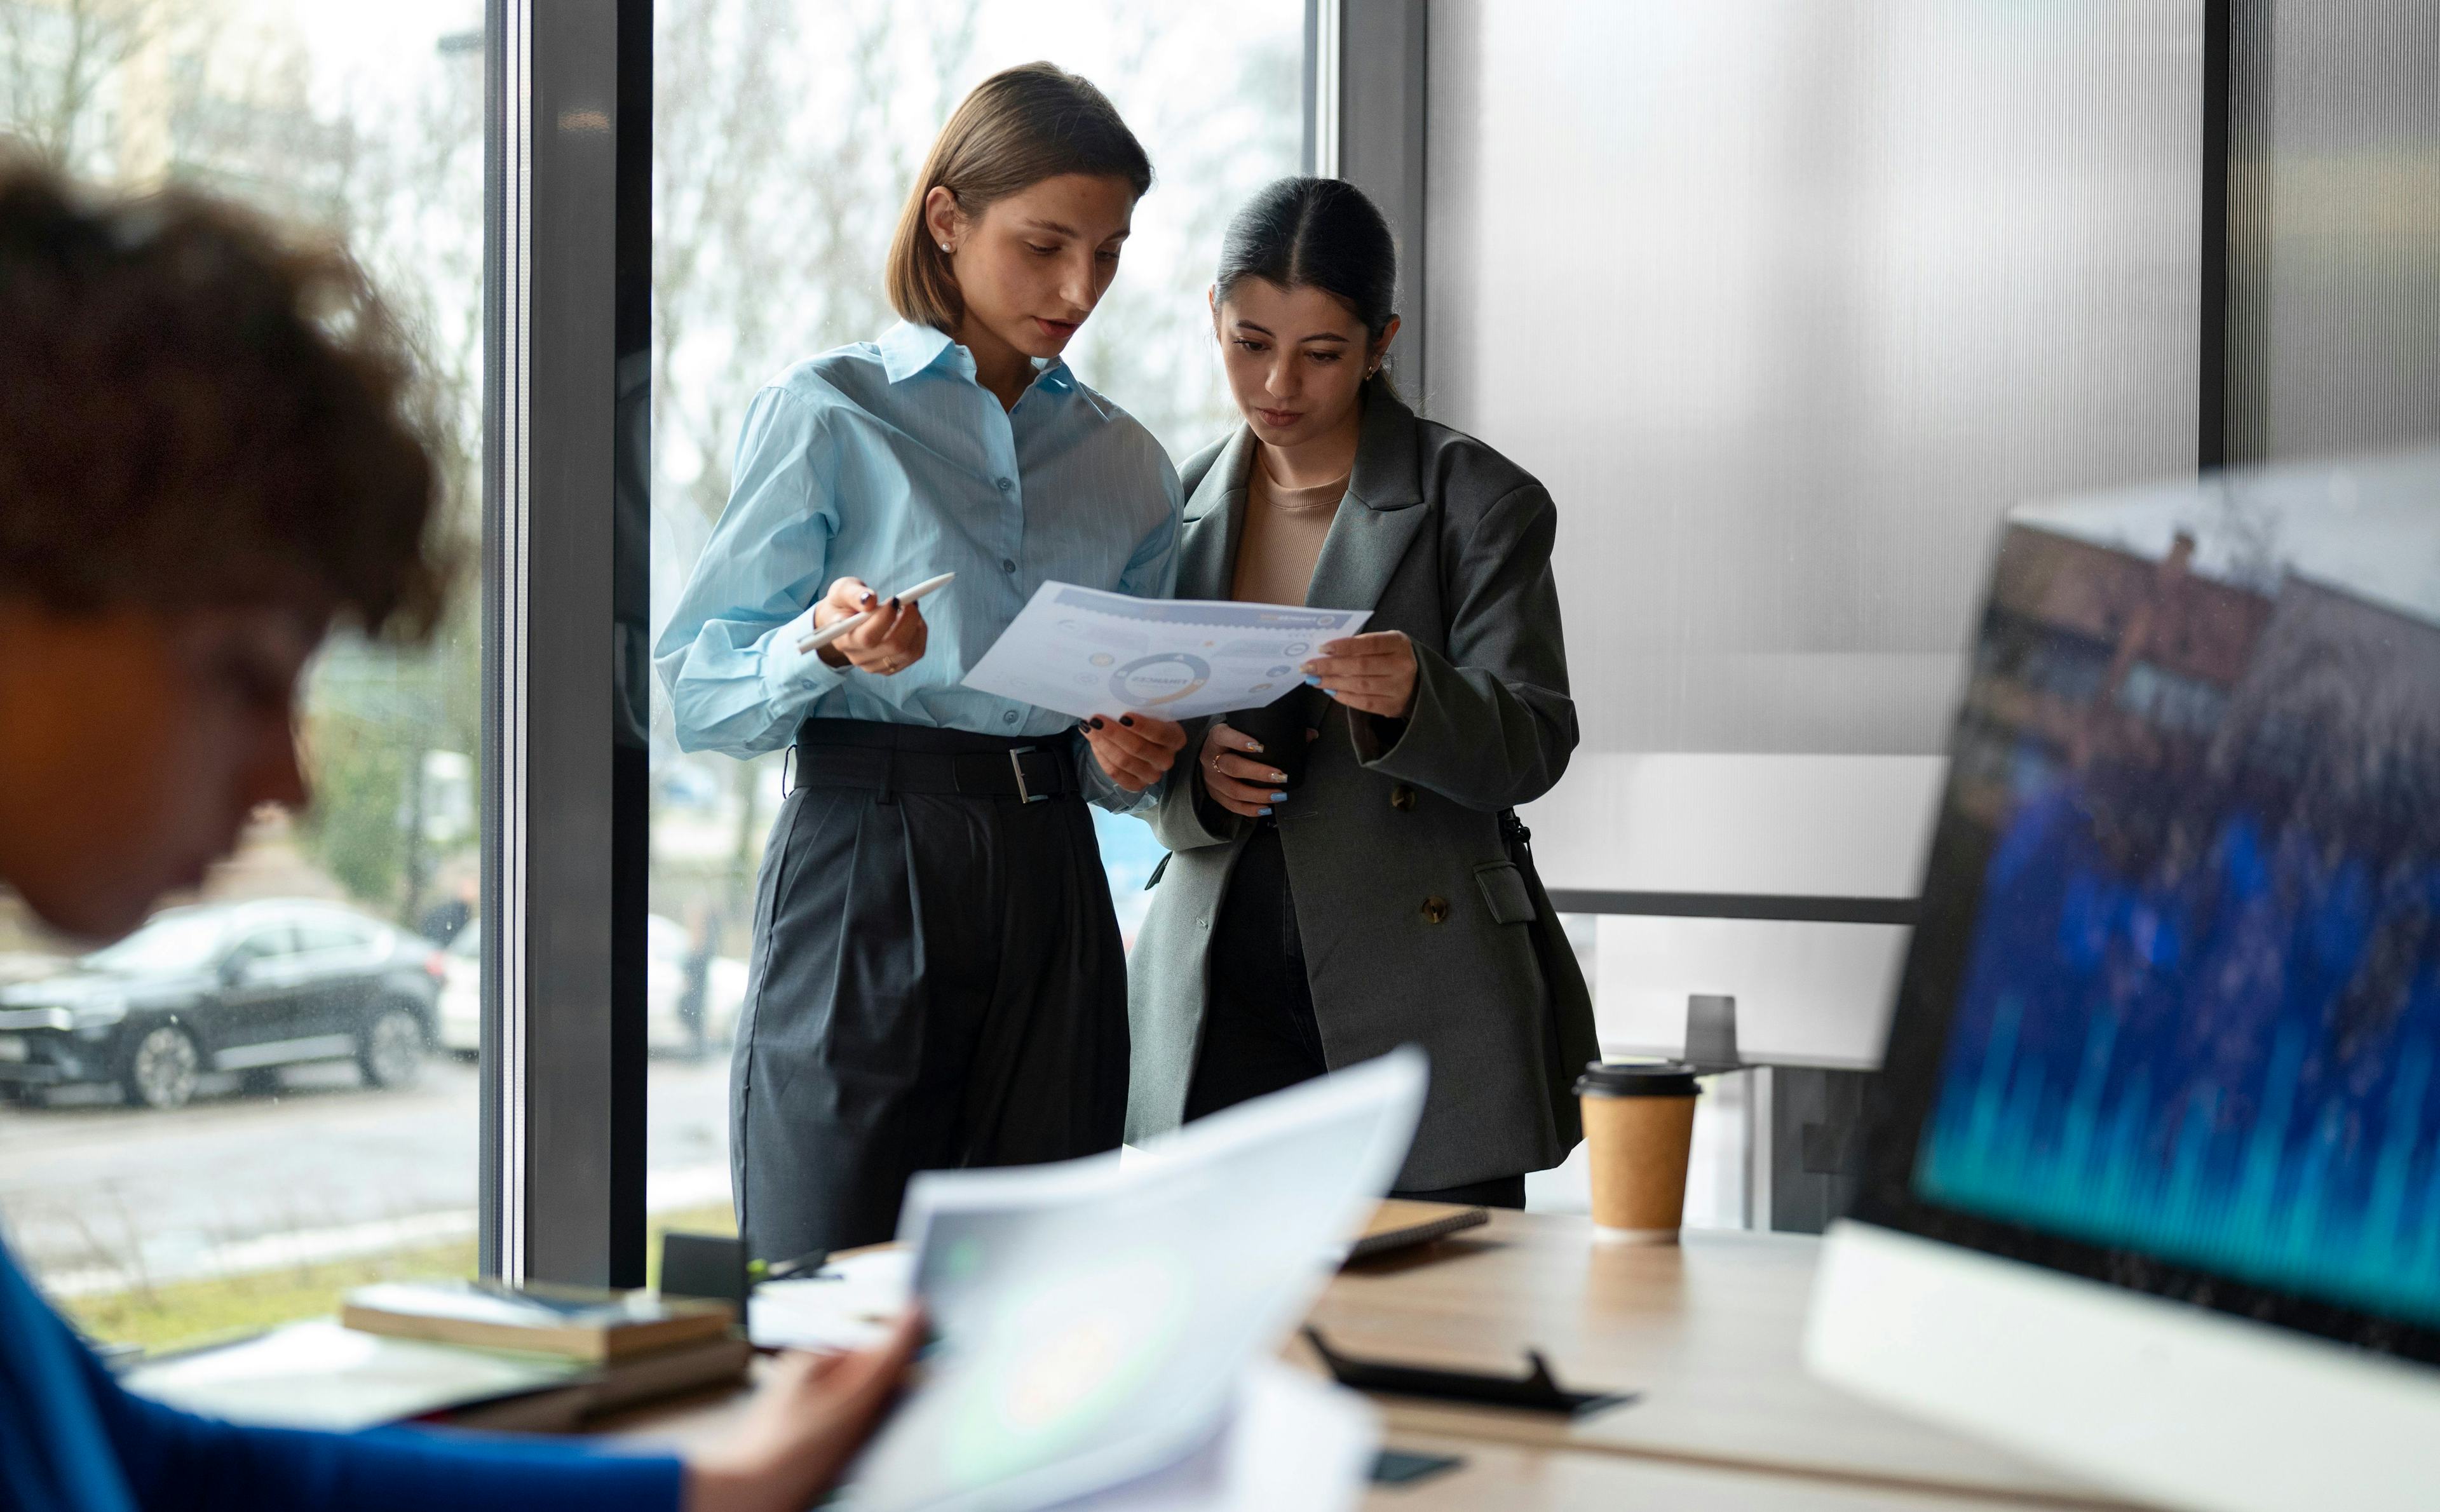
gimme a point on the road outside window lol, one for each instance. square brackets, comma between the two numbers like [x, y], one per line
[224, 1120]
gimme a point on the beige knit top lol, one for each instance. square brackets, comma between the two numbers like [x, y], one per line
[1285, 529]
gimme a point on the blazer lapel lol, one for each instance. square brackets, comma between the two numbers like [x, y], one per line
[1214, 518]
[1377, 521]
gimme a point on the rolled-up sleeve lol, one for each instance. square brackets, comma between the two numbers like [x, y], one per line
[729, 657]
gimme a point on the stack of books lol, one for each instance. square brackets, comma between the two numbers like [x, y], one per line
[474, 1354]
[638, 1346]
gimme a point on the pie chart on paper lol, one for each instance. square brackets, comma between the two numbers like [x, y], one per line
[1149, 682]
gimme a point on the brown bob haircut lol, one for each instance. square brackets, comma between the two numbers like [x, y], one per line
[199, 413]
[1020, 126]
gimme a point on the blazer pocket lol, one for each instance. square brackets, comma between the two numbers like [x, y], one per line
[1503, 891]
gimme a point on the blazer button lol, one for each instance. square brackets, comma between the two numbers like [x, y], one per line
[1435, 910]
[1402, 797]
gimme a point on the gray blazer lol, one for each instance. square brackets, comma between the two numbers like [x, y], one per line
[1417, 924]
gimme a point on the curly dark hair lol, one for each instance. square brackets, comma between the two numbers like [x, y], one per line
[197, 411]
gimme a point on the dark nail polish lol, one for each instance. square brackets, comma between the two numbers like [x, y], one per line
[1096, 722]
[1127, 720]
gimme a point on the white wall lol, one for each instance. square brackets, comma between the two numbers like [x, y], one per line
[1787, 300]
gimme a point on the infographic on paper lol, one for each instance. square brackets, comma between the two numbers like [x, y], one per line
[1086, 653]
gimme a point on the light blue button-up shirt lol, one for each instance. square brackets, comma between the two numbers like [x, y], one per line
[888, 462]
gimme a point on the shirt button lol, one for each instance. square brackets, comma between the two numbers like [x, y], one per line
[1007, 485]
[1008, 565]
[1435, 910]
[1008, 717]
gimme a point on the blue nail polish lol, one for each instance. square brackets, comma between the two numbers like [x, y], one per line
[1311, 681]
[1279, 798]
[1267, 809]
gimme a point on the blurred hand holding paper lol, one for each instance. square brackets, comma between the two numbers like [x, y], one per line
[1097, 1322]
[1082, 651]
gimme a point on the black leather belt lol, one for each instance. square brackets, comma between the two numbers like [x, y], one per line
[1030, 771]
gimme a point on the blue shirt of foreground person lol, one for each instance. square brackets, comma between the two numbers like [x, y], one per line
[205, 463]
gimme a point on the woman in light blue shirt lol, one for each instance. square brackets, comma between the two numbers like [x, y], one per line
[937, 978]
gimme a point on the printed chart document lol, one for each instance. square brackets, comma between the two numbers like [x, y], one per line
[1097, 1320]
[1083, 652]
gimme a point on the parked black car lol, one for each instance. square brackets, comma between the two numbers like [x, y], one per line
[226, 987]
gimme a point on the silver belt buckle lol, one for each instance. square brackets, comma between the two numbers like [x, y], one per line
[1024, 794]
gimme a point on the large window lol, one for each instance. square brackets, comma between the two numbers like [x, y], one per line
[266, 1094]
[785, 138]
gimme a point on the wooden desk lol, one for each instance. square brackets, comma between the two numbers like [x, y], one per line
[1492, 1477]
[1497, 1477]
[1707, 1332]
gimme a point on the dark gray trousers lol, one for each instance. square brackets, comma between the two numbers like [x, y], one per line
[936, 980]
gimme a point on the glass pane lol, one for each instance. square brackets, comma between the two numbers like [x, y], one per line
[1858, 278]
[785, 141]
[1855, 279]
[2334, 208]
[280, 1169]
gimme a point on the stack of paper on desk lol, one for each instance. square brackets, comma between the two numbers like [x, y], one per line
[1097, 1320]
[320, 1375]
[1292, 1444]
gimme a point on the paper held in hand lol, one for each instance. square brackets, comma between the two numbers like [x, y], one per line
[1084, 653]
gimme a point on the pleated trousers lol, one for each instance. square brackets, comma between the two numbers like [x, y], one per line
[937, 981]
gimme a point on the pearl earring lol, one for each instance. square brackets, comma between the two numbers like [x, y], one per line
[945, 246]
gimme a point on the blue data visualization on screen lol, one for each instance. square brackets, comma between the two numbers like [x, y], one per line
[2201, 1011]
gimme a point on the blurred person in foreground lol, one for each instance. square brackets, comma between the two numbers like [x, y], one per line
[206, 464]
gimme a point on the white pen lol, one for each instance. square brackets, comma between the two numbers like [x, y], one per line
[837, 628]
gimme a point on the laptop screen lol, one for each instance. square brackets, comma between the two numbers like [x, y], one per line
[2172, 1013]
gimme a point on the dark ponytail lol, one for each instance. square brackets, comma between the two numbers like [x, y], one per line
[1322, 234]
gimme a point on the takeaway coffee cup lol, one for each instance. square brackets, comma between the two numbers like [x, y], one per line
[1638, 1125]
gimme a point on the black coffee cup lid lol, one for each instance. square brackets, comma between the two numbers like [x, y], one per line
[1637, 1078]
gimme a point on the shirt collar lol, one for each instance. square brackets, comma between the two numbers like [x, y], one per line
[907, 348]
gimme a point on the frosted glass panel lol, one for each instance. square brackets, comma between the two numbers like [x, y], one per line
[2334, 335]
[1787, 300]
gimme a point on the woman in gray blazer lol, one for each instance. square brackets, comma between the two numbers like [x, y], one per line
[1387, 897]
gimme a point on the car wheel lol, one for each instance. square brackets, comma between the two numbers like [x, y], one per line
[390, 1049]
[162, 1068]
